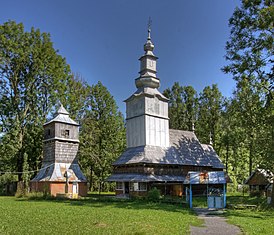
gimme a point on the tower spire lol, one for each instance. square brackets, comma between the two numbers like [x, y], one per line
[148, 77]
[149, 28]
[148, 47]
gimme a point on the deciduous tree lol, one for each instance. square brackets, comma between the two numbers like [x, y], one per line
[32, 76]
[102, 137]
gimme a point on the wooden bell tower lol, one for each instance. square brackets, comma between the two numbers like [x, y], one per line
[60, 173]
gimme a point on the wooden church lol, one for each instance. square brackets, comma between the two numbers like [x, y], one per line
[157, 156]
[60, 174]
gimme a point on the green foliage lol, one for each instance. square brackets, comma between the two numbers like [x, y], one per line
[182, 106]
[7, 184]
[209, 114]
[250, 54]
[153, 195]
[251, 46]
[32, 76]
[187, 108]
[102, 137]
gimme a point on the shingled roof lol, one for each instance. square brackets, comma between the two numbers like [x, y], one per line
[267, 174]
[185, 149]
[62, 115]
[214, 159]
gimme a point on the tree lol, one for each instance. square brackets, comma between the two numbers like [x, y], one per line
[250, 51]
[32, 76]
[102, 136]
[182, 106]
[74, 97]
[209, 114]
[243, 131]
[231, 147]
[250, 109]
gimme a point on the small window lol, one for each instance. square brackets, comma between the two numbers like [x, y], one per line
[65, 133]
[119, 186]
[48, 132]
[142, 186]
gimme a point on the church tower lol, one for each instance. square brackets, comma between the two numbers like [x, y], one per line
[60, 172]
[147, 109]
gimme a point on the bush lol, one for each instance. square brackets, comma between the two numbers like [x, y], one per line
[256, 193]
[154, 195]
[8, 184]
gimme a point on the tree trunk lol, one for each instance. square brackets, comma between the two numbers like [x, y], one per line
[272, 153]
[20, 156]
[90, 178]
[250, 157]
[226, 158]
[20, 166]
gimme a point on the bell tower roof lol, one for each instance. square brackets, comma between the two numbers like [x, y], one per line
[62, 115]
[62, 110]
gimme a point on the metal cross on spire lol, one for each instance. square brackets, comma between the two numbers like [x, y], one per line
[149, 27]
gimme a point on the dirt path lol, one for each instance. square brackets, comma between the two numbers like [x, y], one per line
[214, 224]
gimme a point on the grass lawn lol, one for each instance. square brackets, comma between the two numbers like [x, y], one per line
[256, 221]
[253, 222]
[89, 216]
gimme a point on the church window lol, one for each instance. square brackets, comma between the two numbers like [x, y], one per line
[119, 185]
[142, 186]
[48, 132]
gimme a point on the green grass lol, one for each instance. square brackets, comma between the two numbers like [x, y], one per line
[255, 221]
[92, 216]
[252, 222]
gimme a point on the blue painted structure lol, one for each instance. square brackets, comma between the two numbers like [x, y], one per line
[208, 178]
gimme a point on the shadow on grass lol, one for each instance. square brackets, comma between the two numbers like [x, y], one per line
[260, 202]
[105, 201]
[251, 214]
[95, 200]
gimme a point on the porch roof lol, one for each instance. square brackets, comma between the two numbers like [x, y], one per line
[145, 178]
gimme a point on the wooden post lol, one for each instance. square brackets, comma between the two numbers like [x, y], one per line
[224, 195]
[207, 194]
[190, 196]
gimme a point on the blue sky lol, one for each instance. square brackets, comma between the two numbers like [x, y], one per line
[103, 40]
